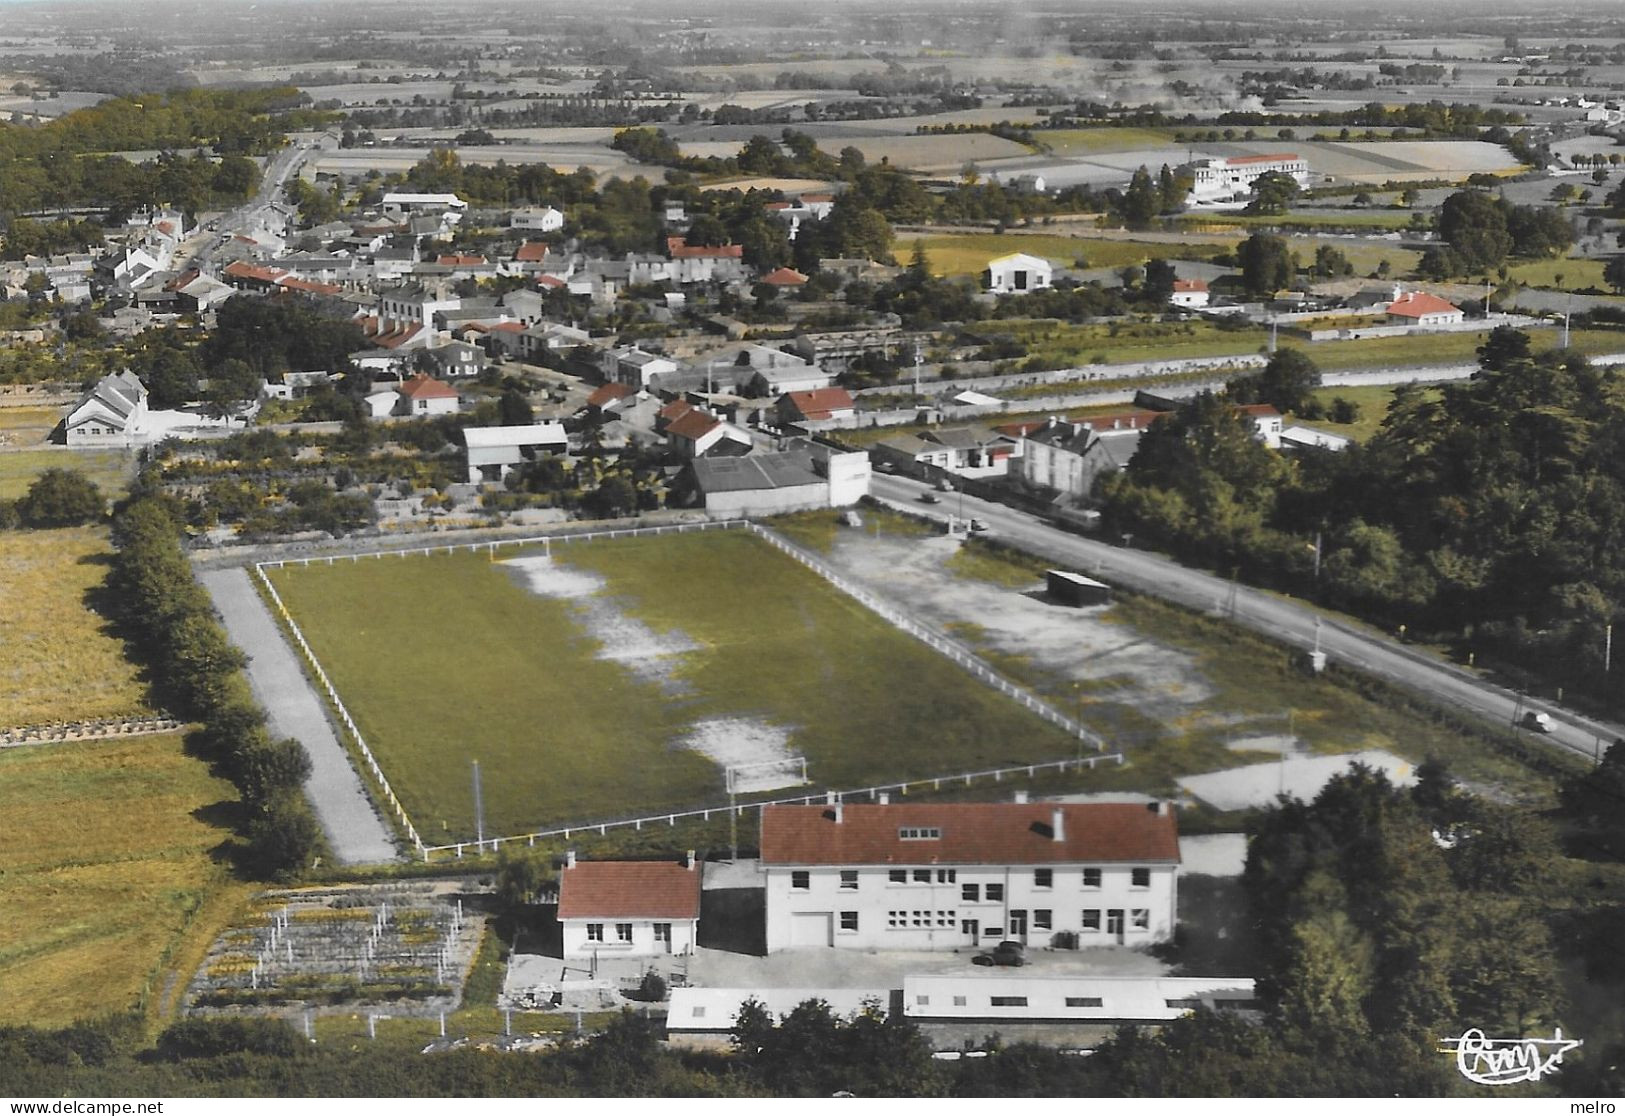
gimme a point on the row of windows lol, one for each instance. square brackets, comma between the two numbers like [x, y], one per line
[1188, 1004]
[623, 931]
[1042, 918]
[801, 880]
[898, 920]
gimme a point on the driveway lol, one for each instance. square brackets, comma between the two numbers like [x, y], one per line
[354, 831]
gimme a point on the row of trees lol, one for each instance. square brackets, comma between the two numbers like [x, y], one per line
[1481, 231]
[200, 676]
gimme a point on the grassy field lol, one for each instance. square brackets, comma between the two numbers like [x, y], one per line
[1220, 222]
[969, 254]
[57, 661]
[1098, 141]
[110, 469]
[1373, 401]
[1064, 344]
[1577, 275]
[114, 886]
[448, 658]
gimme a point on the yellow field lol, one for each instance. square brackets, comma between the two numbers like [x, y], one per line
[109, 469]
[107, 881]
[1087, 141]
[57, 661]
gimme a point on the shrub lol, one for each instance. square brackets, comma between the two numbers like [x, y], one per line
[209, 1038]
[61, 498]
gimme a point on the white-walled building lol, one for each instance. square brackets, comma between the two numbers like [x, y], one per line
[494, 450]
[111, 413]
[1222, 179]
[422, 396]
[1018, 273]
[413, 305]
[1423, 309]
[543, 219]
[636, 908]
[1189, 294]
[957, 875]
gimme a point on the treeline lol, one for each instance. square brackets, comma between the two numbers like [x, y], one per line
[200, 675]
[1434, 118]
[1480, 231]
[190, 183]
[1488, 513]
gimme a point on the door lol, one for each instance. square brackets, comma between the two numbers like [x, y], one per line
[1018, 926]
[663, 937]
[972, 929]
[1114, 925]
[809, 929]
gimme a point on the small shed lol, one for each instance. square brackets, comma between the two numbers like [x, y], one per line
[1075, 589]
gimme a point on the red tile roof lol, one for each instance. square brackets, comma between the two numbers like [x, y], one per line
[461, 261]
[820, 402]
[242, 269]
[550, 281]
[532, 251]
[506, 327]
[1415, 304]
[423, 387]
[1190, 284]
[609, 393]
[1259, 410]
[1244, 160]
[970, 833]
[784, 277]
[610, 889]
[777, 205]
[676, 409]
[678, 249]
[694, 424]
[310, 286]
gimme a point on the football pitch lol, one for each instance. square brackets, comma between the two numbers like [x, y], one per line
[623, 678]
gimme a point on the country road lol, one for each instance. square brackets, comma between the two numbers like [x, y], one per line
[1281, 618]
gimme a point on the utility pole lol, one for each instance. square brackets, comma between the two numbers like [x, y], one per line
[1317, 566]
[1607, 648]
[919, 359]
[479, 809]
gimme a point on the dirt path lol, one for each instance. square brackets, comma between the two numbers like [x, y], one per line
[354, 830]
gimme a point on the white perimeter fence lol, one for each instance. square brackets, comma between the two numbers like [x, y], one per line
[956, 652]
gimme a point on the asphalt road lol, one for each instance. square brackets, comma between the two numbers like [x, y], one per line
[354, 831]
[1281, 618]
[250, 216]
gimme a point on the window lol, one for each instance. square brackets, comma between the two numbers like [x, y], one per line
[899, 875]
[662, 931]
[1140, 919]
[1186, 1005]
[1091, 877]
[947, 918]
[994, 931]
[1141, 877]
[919, 833]
[921, 918]
[922, 1001]
[922, 875]
[849, 921]
[595, 931]
[995, 893]
[947, 875]
[800, 881]
[959, 1001]
[699, 1011]
[1084, 1001]
[1043, 877]
[896, 919]
[1009, 1001]
[1091, 920]
[849, 879]
[970, 893]
[1043, 917]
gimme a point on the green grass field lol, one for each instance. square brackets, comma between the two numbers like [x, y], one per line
[107, 880]
[110, 469]
[968, 254]
[1308, 221]
[1099, 141]
[449, 658]
[57, 660]
[1373, 401]
[1576, 275]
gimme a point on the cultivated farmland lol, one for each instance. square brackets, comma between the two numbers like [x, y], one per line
[620, 677]
[114, 894]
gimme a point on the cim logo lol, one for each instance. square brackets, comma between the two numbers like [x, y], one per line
[1487, 1061]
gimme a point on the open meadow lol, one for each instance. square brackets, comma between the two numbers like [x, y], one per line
[622, 677]
[968, 254]
[58, 661]
[108, 880]
[109, 469]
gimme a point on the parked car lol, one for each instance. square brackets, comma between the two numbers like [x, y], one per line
[979, 526]
[1537, 722]
[943, 485]
[930, 498]
[1006, 955]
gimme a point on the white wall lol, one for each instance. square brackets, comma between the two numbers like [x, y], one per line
[643, 944]
[935, 913]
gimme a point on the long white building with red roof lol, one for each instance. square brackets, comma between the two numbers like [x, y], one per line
[1221, 179]
[945, 876]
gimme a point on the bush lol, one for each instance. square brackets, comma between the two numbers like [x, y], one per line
[210, 1038]
[61, 498]
[653, 988]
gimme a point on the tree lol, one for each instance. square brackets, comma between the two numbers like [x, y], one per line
[1613, 273]
[1158, 285]
[513, 409]
[1266, 263]
[1475, 226]
[1286, 382]
[1331, 263]
[1273, 193]
[283, 837]
[264, 770]
[1141, 201]
[61, 498]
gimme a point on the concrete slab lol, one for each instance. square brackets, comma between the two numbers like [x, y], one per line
[1213, 854]
[1241, 788]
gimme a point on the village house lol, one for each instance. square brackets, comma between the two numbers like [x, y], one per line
[629, 908]
[539, 219]
[632, 366]
[493, 451]
[1419, 308]
[703, 263]
[1189, 294]
[423, 396]
[112, 413]
[821, 405]
[1018, 273]
[413, 304]
[957, 875]
[699, 433]
[1067, 456]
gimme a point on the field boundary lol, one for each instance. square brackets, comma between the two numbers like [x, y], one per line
[950, 649]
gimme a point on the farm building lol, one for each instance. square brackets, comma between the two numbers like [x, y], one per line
[494, 450]
[1423, 309]
[543, 219]
[807, 475]
[951, 875]
[1189, 294]
[1075, 589]
[1051, 997]
[112, 413]
[706, 1016]
[795, 407]
[634, 908]
[1018, 273]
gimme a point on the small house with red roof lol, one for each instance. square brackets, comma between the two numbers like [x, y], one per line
[696, 263]
[961, 875]
[785, 278]
[795, 407]
[629, 908]
[1189, 294]
[423, 395]
[1420, 308]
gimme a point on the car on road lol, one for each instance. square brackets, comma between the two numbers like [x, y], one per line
[979, 527]
[1537, 722]
[943, 485]
[930, 498]
[1011, 955]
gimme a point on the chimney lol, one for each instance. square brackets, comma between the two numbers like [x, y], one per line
[1398, 292]
[689, 863]
[1021, 797]
[1057, 823]
[829, 798]
[885, 798]
[570, 858]
[840, 813]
